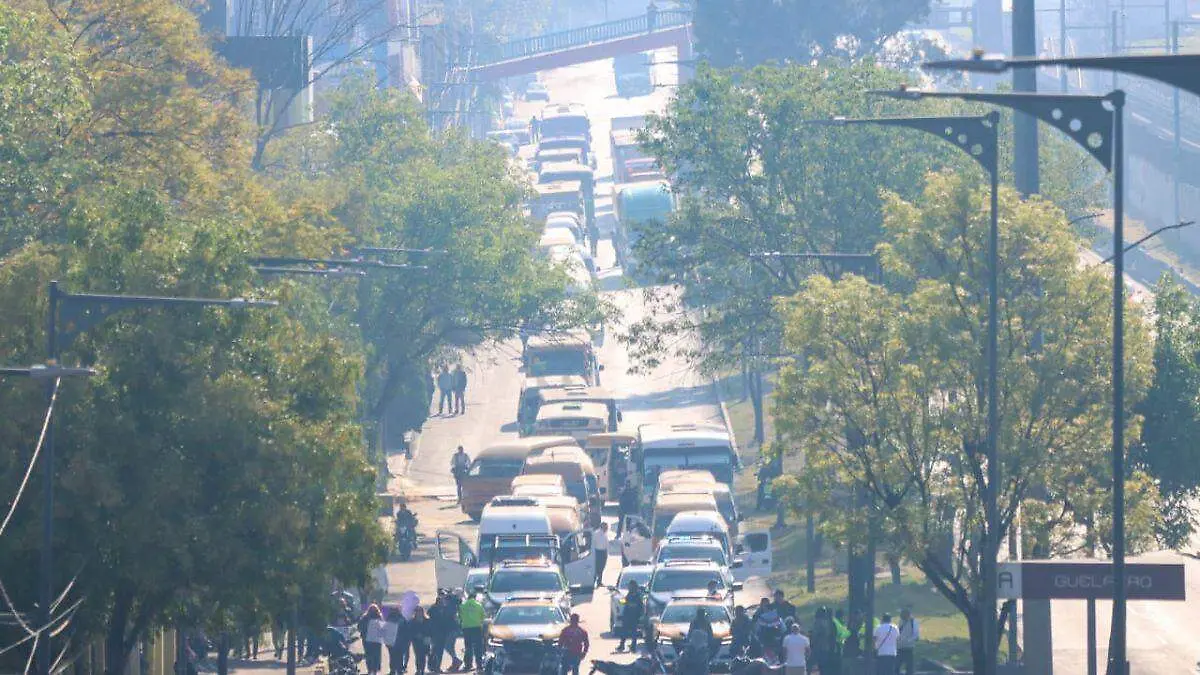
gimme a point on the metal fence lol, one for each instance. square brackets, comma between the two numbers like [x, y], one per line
[577, 37]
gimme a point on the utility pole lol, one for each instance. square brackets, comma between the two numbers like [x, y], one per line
[1025, 131]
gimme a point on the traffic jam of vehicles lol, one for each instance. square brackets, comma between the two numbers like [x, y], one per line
[661, 491]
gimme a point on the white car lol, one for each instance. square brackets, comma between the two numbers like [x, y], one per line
[687, 579]
[524, 579]
[536, 91]
[692, 548]
[616, 600]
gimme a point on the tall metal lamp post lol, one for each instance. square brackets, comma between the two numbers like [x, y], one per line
[70, 314]
[1095, 123]
[1181, 71]
[978, 137]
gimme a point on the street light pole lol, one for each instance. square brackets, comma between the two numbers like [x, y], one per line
[1096, 124]
[80, 311]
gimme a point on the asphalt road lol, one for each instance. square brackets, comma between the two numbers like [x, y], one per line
[671, 392]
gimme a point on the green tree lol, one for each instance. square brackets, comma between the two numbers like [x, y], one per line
[1171, 409]
[385, 180]
[216, 459]
[752, 178]
[902, 369]
[751, 32]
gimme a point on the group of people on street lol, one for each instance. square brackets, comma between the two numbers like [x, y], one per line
[422, 637]
[452, 390]
[774, 631]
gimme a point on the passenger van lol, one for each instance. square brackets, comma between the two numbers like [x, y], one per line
[577, 472]
[578, 419]
[534, 391]
[700, 522]
[667, 507]
[493, 469]
[721, 492]
[662, 447]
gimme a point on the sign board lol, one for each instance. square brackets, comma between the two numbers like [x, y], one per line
[1080, 580]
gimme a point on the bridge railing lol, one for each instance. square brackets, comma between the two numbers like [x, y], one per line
[576, 37]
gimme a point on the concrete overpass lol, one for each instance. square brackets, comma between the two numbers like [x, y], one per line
[664, 28]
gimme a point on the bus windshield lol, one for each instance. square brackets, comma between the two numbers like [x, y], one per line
[558, 362]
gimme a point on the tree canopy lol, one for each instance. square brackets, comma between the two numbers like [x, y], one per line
[890, 395]
[751, 32]
[217, 461]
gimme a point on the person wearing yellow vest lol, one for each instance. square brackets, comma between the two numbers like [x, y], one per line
[470, 619]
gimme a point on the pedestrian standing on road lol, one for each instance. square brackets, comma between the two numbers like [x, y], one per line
[627, 505]
[460, 389]
[441, 621]
[600, 547]
[535, 128]
[445, 385]
[740, 631]
[460, 464]
[651, 16]
[419, 637]
[887, 637]
[372, 650]
[575, 645]
[796, 649]
[470, 619]
[824, 642]
[453, 601]
[398, 649]
[910, 633]
[631, 616]
[783, 608]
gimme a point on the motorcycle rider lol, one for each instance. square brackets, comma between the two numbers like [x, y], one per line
[406, 526]
[697, 649]
[460, 463]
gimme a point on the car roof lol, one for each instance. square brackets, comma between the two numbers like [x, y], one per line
[557, 236]
[686, 499]
[573, 393]
[690, 540]
[572, 409]
[559, 186]
[514, 512]
[571, 455]
[537, 479]
[531, 601]
[563, 215]
[560, 109]
[689, 564]
[637, 568]
[712, 519]
[564, 339]
[565, 167]
[671, 434]
[519, 448]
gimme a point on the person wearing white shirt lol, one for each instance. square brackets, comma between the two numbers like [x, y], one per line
[796, 649]
[887, 637]
[910, 632]
[600, 549]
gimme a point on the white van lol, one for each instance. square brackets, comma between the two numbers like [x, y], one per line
[509, 532]
[751, 549]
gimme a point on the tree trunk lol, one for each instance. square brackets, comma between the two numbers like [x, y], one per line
[978, 653]
[756, 394]
[893, 560]
[116, 651]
